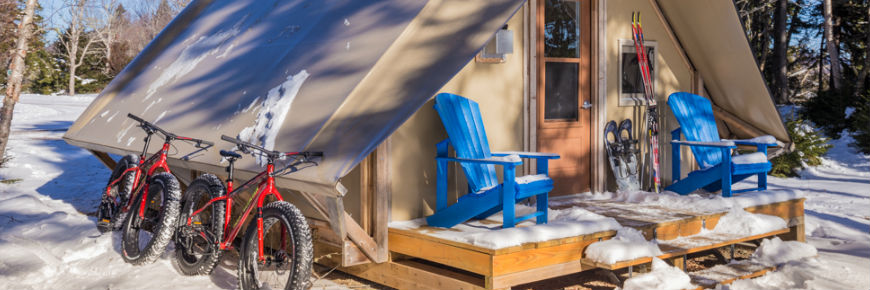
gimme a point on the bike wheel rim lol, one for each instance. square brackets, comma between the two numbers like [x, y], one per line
[272, 273]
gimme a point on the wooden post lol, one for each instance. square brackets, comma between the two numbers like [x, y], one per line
[366, 188]
[382, 200]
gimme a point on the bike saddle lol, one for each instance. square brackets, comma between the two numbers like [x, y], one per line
[230, 154]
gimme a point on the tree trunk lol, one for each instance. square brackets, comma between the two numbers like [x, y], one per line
[862, 76]
[72, 80]
[780, 51]
[792, 29]
[16, 76]
[833, 50]
[821, 63]
[764, 48]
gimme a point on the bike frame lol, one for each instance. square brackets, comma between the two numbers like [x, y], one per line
[156, 161]
[265, 187]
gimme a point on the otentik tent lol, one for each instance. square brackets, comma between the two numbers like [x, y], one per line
[331, 76]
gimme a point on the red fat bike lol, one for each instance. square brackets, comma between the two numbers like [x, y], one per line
[155, 207]
[276, 251]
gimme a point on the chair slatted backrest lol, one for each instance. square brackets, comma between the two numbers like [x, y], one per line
[695, 115]
[464, 125]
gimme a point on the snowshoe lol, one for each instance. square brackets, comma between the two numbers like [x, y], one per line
[628, 155]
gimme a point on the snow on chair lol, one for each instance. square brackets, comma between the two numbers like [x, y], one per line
[462, 120]
[718, 168]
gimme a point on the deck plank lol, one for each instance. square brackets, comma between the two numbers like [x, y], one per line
[728, 273]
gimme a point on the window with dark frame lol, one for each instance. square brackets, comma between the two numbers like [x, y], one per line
[631, 82]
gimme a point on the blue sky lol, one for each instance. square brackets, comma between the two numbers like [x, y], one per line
[55, 16]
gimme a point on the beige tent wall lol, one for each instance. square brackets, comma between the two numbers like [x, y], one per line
[497, 87]
[673, 75]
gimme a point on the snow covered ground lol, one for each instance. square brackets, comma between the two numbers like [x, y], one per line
[837, 223]
[48, 240]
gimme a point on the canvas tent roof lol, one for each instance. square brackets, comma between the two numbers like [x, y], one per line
[346, 73]
[714, 40]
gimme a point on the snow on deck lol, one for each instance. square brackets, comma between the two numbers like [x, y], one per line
[584, 214]
[489, 234]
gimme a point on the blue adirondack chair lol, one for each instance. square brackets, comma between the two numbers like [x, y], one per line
[718, 168]
[464, 125]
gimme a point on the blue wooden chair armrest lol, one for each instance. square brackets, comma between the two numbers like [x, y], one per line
[480, 161]
[533, 155]
[748, 142]
[724, 144]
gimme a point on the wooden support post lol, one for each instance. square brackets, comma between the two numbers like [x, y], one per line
[796, 230]
[105, 159]
[383, 193]
[335, 212]
[679, 262]
[366, 188]
[697, 84]
[359, 237]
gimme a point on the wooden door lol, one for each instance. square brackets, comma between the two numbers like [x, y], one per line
[563, 96]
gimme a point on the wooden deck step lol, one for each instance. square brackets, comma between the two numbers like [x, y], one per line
[684, 246]
[725, 274]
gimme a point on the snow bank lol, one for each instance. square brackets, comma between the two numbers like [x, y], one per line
[807, 273]
[272, 113]
[776, 251]
[628, 244]
[740, 222]
[662, 277]
[562, 224]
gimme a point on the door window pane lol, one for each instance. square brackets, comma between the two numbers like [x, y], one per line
[562, 28]
[561, 84]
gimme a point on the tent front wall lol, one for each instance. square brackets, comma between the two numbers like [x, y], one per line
[506, 94]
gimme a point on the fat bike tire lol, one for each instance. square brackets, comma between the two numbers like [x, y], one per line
[109, 215]
[145, 239]
[196, 245]
[287, 250]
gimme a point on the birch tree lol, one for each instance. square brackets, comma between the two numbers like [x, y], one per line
[74, 36]
[104, 22]
[16, 74]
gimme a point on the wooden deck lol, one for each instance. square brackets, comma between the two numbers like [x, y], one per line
[419, 260]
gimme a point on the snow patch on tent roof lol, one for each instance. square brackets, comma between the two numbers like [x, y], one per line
[111, 117]
[191, 56]
[272, 113]
[123, 133]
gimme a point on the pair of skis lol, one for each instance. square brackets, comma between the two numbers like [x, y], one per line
[652, 124]
[622, 153]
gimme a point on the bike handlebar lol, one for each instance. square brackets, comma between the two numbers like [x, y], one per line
[148, 126]
[270, 153]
